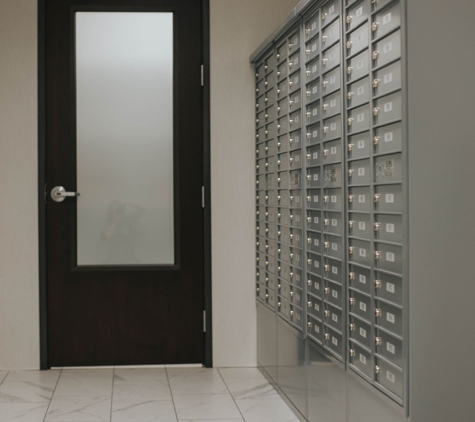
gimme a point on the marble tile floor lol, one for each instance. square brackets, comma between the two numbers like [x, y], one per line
[165, 394]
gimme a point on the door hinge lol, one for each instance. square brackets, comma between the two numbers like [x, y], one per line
[202, 75]
[202, 196]
[204, 321]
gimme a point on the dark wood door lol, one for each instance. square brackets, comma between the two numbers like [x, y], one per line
[127, 311]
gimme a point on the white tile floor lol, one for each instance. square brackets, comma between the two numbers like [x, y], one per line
[168, 394]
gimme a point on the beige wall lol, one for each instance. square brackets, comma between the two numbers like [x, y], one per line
[19, 332]
[237, 28]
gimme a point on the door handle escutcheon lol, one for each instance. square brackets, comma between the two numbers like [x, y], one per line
[59, 194]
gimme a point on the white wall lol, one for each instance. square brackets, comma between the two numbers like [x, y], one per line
[19, 332]
[237, 28]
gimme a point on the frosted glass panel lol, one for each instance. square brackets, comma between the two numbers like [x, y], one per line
[124, 91]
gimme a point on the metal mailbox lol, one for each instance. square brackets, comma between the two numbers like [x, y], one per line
[360, 279]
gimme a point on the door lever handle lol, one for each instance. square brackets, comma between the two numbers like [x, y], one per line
[59, 194]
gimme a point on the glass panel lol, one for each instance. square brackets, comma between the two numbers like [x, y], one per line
[124, 85]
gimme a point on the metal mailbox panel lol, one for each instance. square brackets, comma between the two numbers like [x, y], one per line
[282, 71]
[270, 214]
[388, 198]
[313, 156]
[387, 20]
[260, 71]
[387, 49]
[390, 377]
[296, 277]
[314, 285]
[296, 316]
[295, 140]
[360, 279]
[295, 179]
[333, 317]
[332, 175]
[359, 172]
[270, 230]
[283, 106]
[283, 216]
[331, 81]
[296, 199]
[359, 119]
[294, 62]
[388, 168]
[296, 257]
[357, 14]
[388, 108]
[331, 104]
[295, 120]
[313, 91]
[283, 234]
[295, 100]
[269, 63]
[283, 270]
[270, 81]
[390, 257]
[389, 287]
[333, 223]
[261, 198]
[331, 34]
[270, 131]
[312, 49]
[270, 97]
[261, 134]
[361, 252]
[261, 244]
[333, 199]
[333, 246]
[283, 252]
[315, 329]
[270, 165]
[314, 263]
[282, 51]
[261, 103]
[361, 332]
[360, 225]
[261, 168]
[260, 118]
[357, 40]
[296, 159]
[379, 4]
[295, 82]
[331, 128]
[270, 113]
[389, 228]
[283, 307]
[330, 11]
[313, 113]
[283, 180]
[360, 305]
[313, 70]
[282, 88]
[387, 79]
[388, 138]
[314, 220]
[296, 296]
[283, 162]
[283, 143]
[312, 25]
[358, 66]
[283, 199]
[313, 134]
[261, 87]
[359, 93]
[361, 359]
[314, 243]
[313, 177]
[294, 41]
[283, 125]
[331, 57]
[315, 307]
[333, 269]
[296, 218]
[261, 181]
[389, 317]
[332, 152]
[314, 200]
[270, 281]
[390, 347]
[334, 294]
[270, 147]
[296, 237]
[360, 199]
[334, 342]
[283, 289]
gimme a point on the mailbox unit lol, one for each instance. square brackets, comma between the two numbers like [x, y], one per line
[340, 154]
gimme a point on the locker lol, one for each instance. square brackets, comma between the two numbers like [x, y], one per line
[295, 101]
[331, 105]
[389, 317]
[359, 146]
[387, 109]
[360, 331]
[332, 128]
[313, 134]
[334, 294]
[389, 287]
[315, 285]
[388, 257]
[387, 50]
[389, 376]
[314, 201]
[387, 79]
[333, 269]
[333, 317]
[294, 62]
[361, 359]
[333, 223]
[360, 252]
[357, 40]
[389, 347]
[331, 34]
[295, 82]
[334, 341]
[330, 11]
[313, 113]
[296, 237]
[388, 138]
[386, 20]
[359, 225]
[331, 81]
[333, 246]
[359, 93]
[333, 199]
[359, 172]
[360, 279]
[360, 305]
[331, 58]
[294, 41]
[388, 228]
[332, 175]
[312, 69]
[315, 329]
[358, 66]
[357, 14]
[315, 307]
[388, 198]
[359, 119]
[314, 264]
[314, 242]
[312, 49]
[312, 26]
[296, 198]
[313, 157]
[360, 199]
[313, 91]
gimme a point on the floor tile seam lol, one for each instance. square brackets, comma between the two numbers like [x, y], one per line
[171, 393]
[232, 396]
[5, 377]
[52, 395]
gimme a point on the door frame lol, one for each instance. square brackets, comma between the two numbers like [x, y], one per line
[43, 286]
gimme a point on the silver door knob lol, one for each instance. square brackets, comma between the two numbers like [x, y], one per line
[59, 194]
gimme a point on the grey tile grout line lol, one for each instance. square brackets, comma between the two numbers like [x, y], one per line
[171, 393]
[52, 395]
[112, 392]
[5, 377]
[231, 394]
